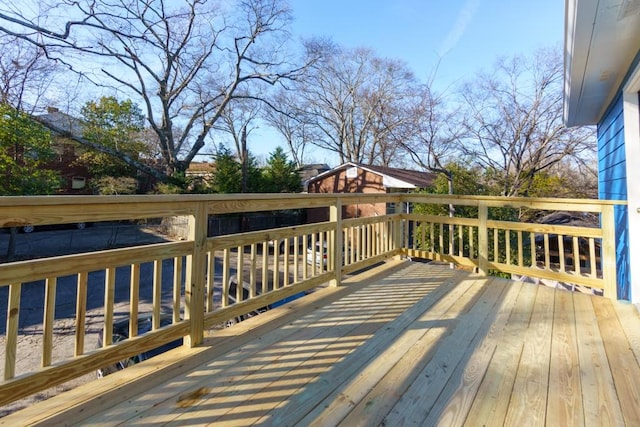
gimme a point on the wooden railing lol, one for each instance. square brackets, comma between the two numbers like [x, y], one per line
[206, 282]
[563, 253]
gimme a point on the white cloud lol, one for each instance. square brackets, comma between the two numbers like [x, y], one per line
[465, 16]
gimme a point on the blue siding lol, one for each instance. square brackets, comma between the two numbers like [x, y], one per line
[612, 178]
[612, 163]
[612, 185]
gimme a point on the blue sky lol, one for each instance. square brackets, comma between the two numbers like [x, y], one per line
[463, 36]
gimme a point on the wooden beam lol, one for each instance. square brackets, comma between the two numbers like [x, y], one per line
[195, 276]
[608, 252]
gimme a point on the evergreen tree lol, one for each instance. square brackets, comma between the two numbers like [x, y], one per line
[228, 175]
[280, 175]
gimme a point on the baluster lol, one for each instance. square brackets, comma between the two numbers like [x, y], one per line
[177, 288]
[252, 271]
[157, 293]
[265, 267]
[11, 343]
[226, 266]
[81, 312]
[48, 320]
[134, 299]
[561, 252]
[109, 294]
[211, 260]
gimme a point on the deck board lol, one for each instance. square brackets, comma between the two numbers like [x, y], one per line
[416, 403]
[622, 362]
[600, 404]
[499, 377]
[369, 394]
[528, 401]
[564, 406]
[455, 401]
[421, 345]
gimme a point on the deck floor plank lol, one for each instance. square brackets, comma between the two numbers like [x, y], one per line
[306, 400]
[622, 362]
[565, 407]
[528, 402]
[497, 383]
[629, 318]
[421, 344]
[455, 401]
[599, 398]
[241, 341]
[394, 317]
[369, 395]
[349, 384]
[226, 380]
[275, 377]
[416, 403]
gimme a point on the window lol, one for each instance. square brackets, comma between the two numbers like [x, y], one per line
[78, 182]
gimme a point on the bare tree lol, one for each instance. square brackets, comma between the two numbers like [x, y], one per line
[25, 74]
[286, 116]
[513, 121]
[184, 63]
[434, 136]
[356, 103]
[238, 120]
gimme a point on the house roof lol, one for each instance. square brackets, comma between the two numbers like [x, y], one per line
[62, 121]
[309, 171]
[391, 177]
[602, 37]
[201, 167]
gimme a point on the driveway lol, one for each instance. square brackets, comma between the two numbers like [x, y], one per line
[96, 236]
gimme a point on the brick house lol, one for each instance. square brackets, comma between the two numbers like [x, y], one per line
[74, 176]
[353, 177]
[310, 171]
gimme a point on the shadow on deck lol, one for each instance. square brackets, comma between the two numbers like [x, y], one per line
[409, 344]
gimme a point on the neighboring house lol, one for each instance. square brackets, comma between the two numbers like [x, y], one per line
[203, 171]
[309, 171]
[602, 87]
[357, 178]
[75, 177]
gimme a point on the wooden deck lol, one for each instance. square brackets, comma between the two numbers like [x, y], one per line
[418, 345]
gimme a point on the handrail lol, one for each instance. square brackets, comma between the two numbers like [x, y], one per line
[193, 278]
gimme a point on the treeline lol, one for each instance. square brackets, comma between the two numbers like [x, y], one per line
[200, 81]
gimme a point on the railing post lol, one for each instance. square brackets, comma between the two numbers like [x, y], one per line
[608, 252]
[337, 246]
[483, 238]
[195, 276]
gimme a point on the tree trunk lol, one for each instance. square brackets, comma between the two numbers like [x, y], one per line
[13, 237]
[449, 174]
[245, 160]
